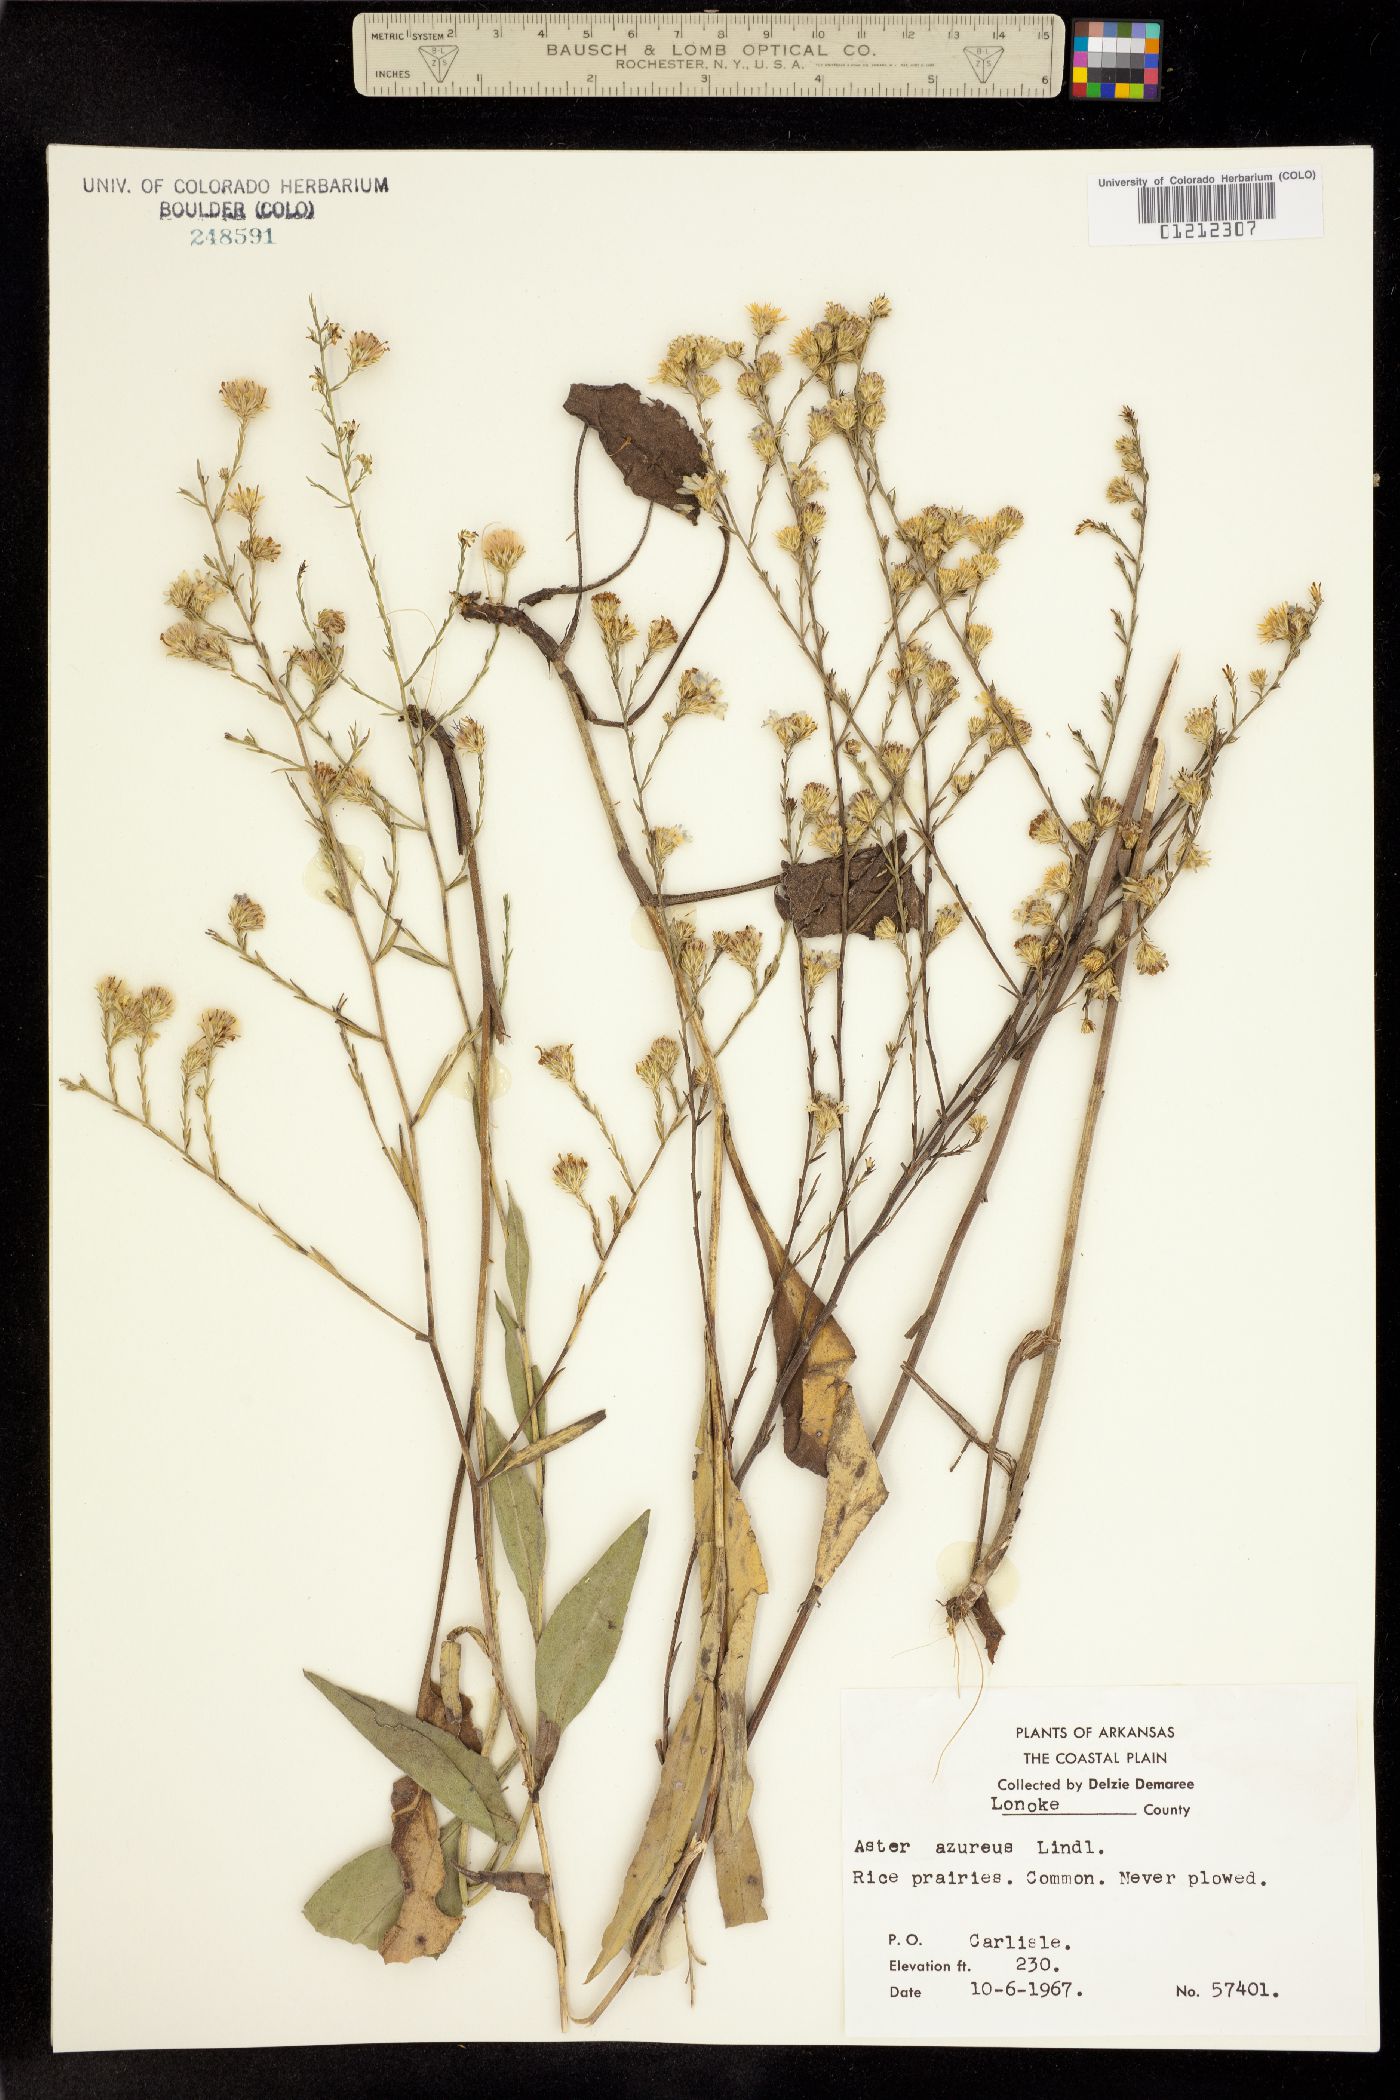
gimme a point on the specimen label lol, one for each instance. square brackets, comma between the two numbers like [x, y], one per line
[1235, 198]
[973, 57]
[1173, 1864]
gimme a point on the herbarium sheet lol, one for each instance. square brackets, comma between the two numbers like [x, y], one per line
[711, 1053]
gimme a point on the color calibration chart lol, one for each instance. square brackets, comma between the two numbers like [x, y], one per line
[1115, 62]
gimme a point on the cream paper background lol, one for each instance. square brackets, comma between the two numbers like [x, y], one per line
[249, 1473]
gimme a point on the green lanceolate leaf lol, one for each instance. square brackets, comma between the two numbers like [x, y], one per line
[517, 1258]
[461, 1779]
[580, 1640]
[515, 1369]
[362, 1899]
[521, 1525]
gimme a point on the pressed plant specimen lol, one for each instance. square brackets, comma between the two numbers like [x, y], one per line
[878, 771]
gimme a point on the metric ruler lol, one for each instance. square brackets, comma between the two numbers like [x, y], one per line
[974, 57]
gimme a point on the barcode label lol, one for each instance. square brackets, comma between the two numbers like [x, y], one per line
[1244, 204]
[1210, 200]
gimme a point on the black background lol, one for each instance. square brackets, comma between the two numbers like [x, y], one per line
[240, 74]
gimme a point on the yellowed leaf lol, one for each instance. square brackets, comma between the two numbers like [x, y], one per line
[812, 1396]
[673, 1822]
[420, 1928]
[705, 1765]
[854, 1488]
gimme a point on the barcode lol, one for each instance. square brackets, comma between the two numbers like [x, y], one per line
[1177, 203]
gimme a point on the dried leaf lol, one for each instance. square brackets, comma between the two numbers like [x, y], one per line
[649, 442]
[580, 1640]
[527, 1454]
[517, 1259]
[808, 892]
[706, 1757]
[989, 1626]
[439, 1079]
[812, 1396]
[854, 1489]
[515, 1369]
[521, 1525]
[670, 1838]
[738, 1871]
[362, 1899]
[432, 1706]
[534, 1887]
[402, 1165]
[420, 1928]
[461, 1779]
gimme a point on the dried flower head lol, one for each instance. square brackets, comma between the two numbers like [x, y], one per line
[245, 915]
[863, 811]
[1149, 958]
[765, 319]
[886, 930]
[194, 594]
[706, 487]
[613, 623]
[364, 348]
[218, 1027]
[570, 1172]
[791, 730]
[742, 946]
[660, 1061]
[197, 645]
[113, 993]
[826, 1115]
[1200, 724]
[245, 500]
[666, 839]
[661, 635]
[259, 547]
[697, 693]
[470, 737]
[245, 397]
[817, 966]
[502, 549]
[559, 1059]
[154, 1006]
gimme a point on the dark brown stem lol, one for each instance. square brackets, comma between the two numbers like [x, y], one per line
[579, 590]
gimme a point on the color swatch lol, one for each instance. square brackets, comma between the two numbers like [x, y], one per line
[1115, 61]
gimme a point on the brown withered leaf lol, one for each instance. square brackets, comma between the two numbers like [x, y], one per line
[513, 1881]
[989, 1626]
[433, 1707]
[801, 1320]
[854, 1488]
[649, 442]
[420, 1928]
[808, 892]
